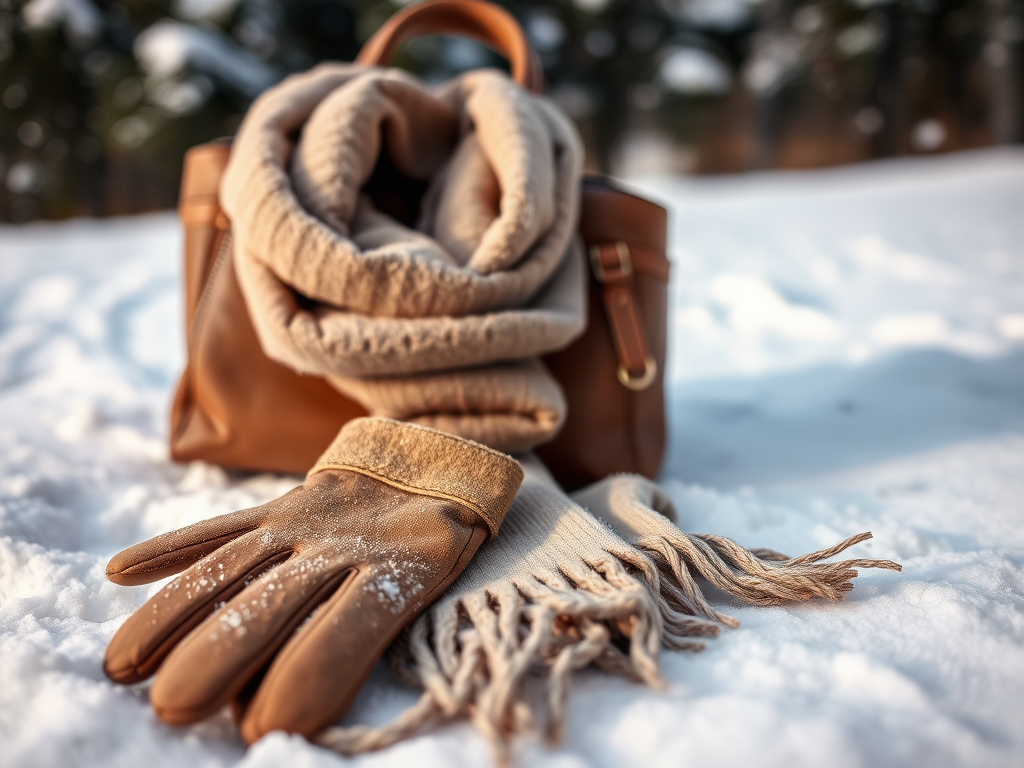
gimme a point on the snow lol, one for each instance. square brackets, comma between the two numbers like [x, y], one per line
[205, 10]
[721, 15]
[81, 19]
[167, 48]
[847, 354]
[695, 72]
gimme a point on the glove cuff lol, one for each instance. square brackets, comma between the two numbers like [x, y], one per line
[425, 461]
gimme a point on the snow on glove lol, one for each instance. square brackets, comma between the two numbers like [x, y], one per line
[390, 515]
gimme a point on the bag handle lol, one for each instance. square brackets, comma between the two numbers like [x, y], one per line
[490, 24]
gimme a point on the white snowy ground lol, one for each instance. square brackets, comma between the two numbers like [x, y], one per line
[848, 354]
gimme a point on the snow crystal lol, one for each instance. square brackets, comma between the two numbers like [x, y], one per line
[389, 590]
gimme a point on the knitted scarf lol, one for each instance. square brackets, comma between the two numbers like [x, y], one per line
[415, 245]
[440, 318]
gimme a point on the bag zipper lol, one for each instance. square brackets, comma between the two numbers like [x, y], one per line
[223, 252]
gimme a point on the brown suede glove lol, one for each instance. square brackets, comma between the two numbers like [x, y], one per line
[385, 521]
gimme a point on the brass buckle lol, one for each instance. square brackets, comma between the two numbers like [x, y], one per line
[644, 380]
[625, 262]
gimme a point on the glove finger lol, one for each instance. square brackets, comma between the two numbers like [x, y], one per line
[149, 634]
[208, 668]
[317, 674]
[171, 553]
[312, 682]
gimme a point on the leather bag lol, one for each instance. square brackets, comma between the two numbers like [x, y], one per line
[236, 407]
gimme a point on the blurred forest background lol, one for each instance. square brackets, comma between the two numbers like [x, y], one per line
[99, 99]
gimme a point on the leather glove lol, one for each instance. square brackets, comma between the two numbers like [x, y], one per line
[310, 589]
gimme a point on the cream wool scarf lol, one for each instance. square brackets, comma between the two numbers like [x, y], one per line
[442, 323]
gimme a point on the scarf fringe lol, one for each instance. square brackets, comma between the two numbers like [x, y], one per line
[756, 577]
[471, 656]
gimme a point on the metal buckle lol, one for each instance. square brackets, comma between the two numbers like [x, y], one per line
[625, 262]
[644, 380]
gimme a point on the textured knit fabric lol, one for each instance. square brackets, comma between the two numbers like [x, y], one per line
[439, 323]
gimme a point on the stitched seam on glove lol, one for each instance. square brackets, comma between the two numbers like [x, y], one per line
[437, 494]
[427, 462]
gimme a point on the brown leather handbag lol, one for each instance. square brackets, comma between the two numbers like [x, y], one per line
[238, 408]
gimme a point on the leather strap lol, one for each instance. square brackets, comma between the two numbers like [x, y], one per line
[199, 211]
[648, 262]
[203, 213]
[199, 204]
[613, 265]
[490, 24]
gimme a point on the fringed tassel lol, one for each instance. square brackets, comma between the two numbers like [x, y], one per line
[471, 655]
[639, 512]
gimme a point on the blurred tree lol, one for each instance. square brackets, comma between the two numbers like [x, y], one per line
[1003, 28]
[100, 98]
